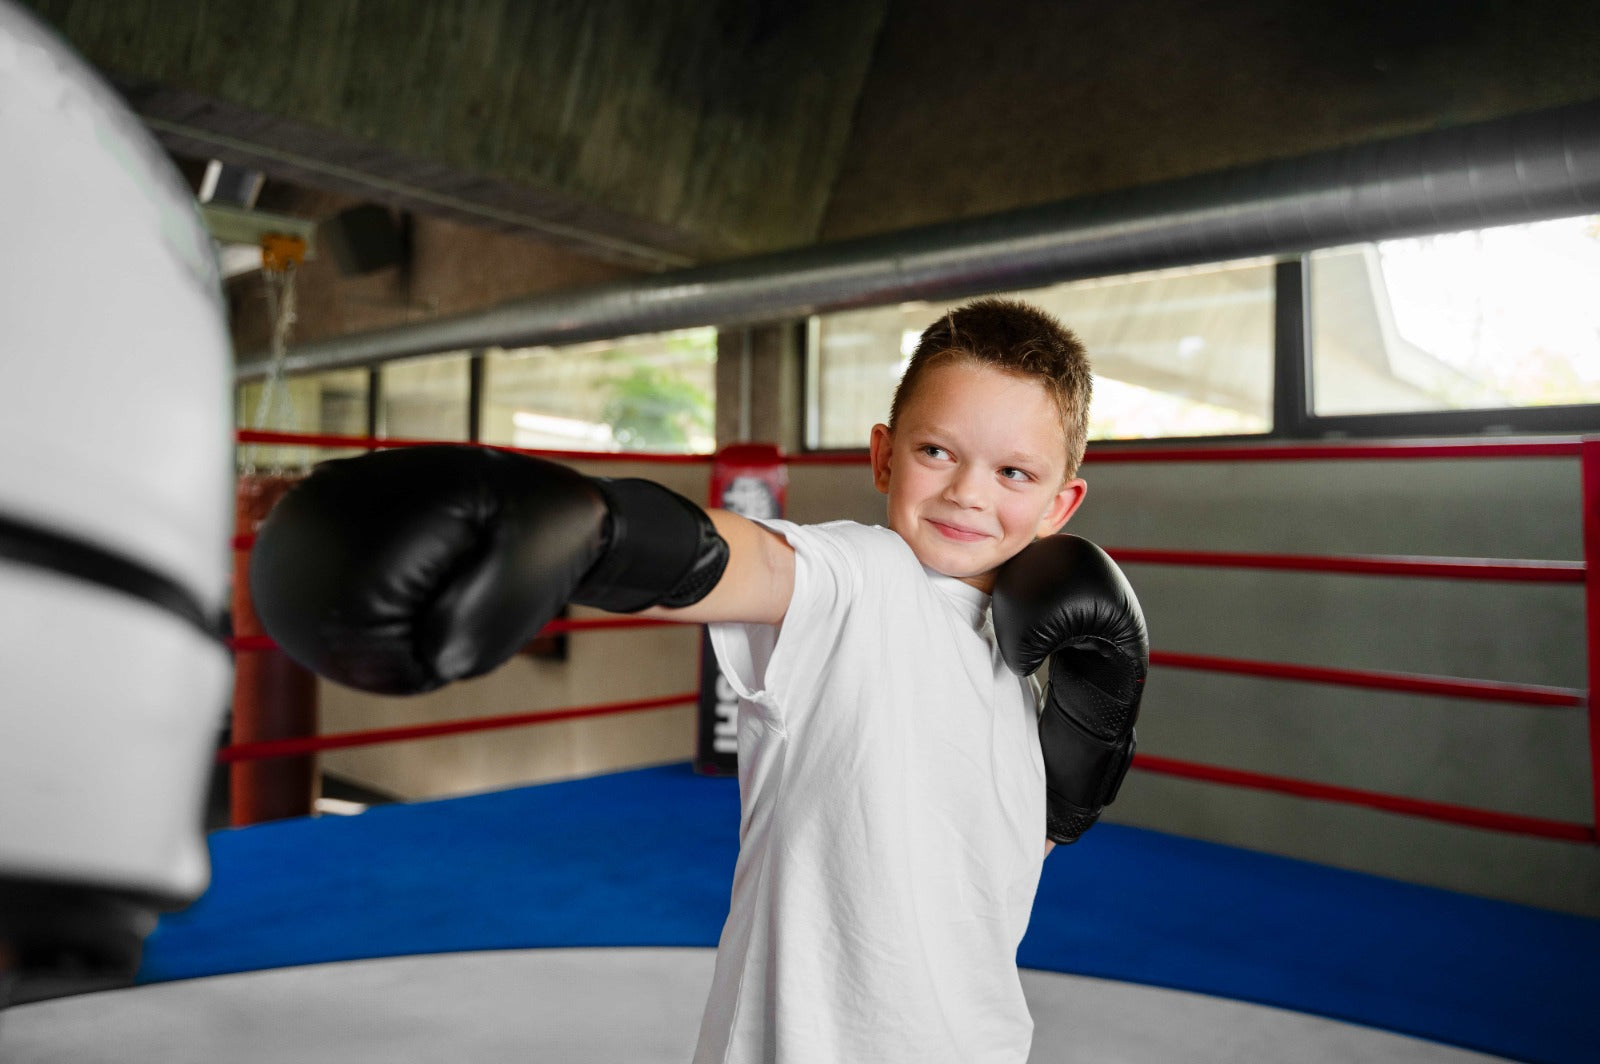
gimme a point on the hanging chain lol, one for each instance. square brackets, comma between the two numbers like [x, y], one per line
[275, 408]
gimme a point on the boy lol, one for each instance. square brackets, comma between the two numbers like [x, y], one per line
[890, 775]
[892, 784]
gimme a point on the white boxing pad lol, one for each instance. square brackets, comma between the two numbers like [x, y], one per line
[107, 731]
[115, 454]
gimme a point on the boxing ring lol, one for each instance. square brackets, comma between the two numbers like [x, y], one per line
[499, 925]
[1525, 571]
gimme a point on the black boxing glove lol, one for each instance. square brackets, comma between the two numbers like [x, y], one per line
[1064, 598]
[400, 571]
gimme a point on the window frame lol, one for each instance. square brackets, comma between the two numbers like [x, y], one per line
[1292, 384]
[1295, 352]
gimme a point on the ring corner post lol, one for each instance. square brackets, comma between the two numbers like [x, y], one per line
[273, 697]
[1590, 462]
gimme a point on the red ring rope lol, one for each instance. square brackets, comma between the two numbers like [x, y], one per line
[372, 443]
[1126, 451]
[1448, 687]
[313, 743]
[1541, 572]
[1555, 447]
[244, 644]
[1392, 803]
[1510, 569]
[1411, 683]
[603, 624]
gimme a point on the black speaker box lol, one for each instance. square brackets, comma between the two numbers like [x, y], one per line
[362, 239]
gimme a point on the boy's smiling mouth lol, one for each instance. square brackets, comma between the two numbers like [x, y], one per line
[957, 532]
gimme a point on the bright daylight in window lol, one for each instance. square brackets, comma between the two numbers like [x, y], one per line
[637, 393]
[1486, 319]
[1182, 352]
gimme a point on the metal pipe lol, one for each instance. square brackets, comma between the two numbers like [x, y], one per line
[1527, 167]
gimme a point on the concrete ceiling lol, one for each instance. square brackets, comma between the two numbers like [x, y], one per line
[650, 134]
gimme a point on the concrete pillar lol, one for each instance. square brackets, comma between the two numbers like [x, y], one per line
[761, 385]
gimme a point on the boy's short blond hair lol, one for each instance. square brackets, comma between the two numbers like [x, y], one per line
[1019, 338]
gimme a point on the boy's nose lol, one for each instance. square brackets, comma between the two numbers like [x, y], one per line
[965, 489]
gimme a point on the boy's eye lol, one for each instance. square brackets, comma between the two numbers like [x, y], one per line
[933, 452]
[1013, 473]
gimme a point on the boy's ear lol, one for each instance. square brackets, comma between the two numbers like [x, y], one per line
[881, 445]
[1062, 506]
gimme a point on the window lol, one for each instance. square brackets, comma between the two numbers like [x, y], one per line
[333, 403]
[1180, 352]
[1489, 319]
[425, 398]
[650, 393]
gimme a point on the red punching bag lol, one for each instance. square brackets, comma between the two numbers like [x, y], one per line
[273, 698]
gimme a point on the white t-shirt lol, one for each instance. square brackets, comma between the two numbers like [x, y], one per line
[892, 806]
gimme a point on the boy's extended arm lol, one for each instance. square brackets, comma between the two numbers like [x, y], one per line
[402, 570]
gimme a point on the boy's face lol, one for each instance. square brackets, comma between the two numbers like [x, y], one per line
[975, 469]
